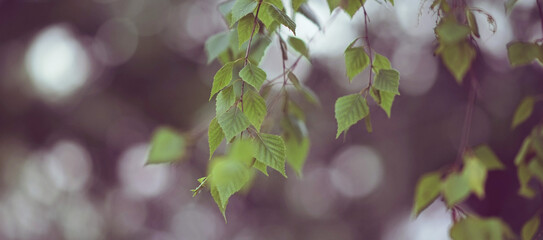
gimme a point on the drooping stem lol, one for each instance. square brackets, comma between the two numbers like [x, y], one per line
[368, 44]
[255, 22]
[466, 128]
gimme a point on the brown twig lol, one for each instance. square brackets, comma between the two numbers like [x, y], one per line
[368, 45]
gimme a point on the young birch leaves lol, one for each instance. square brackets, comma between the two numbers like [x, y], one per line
[356, 60]
[349, 110]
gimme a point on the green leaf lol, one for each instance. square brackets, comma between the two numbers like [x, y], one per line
[523, 112]
[241, 9]
[253, 75]
[384, 99]
[254, 107]
[297, 3]
[473, 227]
[225, 8]
[356, 60]
[521, 155]
[297, 153]
[522, 53]
[225, 100]
[524, 176]
[243, 150]
[259, 48]
[333, 4]
[450, 31]
[367, 121]
[486, 156]
[215, 135]
[472, 23]
[310, 15]
[282, 18]
[245, 28]
[167, 145]
[352, 6]
[475, 173]
[217, 44]
[381, 62]
[227, 177]
[233, 122]
[349, 110]
[308, 94]
[536, 168]
[530, 228]
[299, 45]
[458, 58]
[222, 78]
[276, 3]
[271, 151]
[509, 4]
[455, 189]
[387, 80]
[261, 167]
[427, 190]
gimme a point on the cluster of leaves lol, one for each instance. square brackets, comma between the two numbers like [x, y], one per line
[456, 185]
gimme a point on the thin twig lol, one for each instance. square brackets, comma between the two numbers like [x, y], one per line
[368, 44]
[466, 128]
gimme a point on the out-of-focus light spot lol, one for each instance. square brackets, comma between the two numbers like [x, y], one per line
[68, 165]
[80, 220]
[314, 195]
[494, 43]
[196, 222]
[417, 66]
[22, 218]
[140, 180]
[419, 26]
[152, 17]
[432, 224]
[356, 171]
[127, 215]
[36, 182]
[197, 14]
[116, 41]
[57, 63]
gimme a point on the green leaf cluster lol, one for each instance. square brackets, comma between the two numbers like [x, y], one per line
[475, 227]
[456, 186]
[524, 53]
[529, 161]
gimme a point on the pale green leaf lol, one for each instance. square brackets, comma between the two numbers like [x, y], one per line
[167, 145]
[217, 44]
[384, 99]
[225, 8]
[387, 80]
[530, 228]
[299, 45]
[427, 190]
[536, 169]
[227, 177]
[297, 153]
[524, 176]
[253, 75]
[356, 60]
[472, 23]
[276, 3]
[264, 15]
[522, 53]
[259, 48]
[233, 122]
[521, 155]
[349, 110]
[282, 18]
[245, 28]
[458, 58]
[475, 173]
[524, 111]
[241, 8]
[381, 62]
[455, 189]
[367, 121]
[351, 6]
[333, 4]
[509, 4]
[450, 31]
[254, 107]
[486, 156]
[243, 150]
[475, 228]
[222, 78]
[261, 167]
[215, 136]
[271, 151]
[225, 100]
[297, 3]
[217, 198]
[310, 15]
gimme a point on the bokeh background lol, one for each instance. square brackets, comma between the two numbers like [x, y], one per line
[84, 83]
